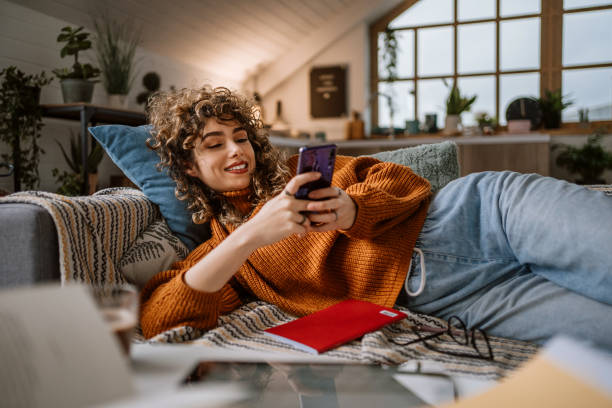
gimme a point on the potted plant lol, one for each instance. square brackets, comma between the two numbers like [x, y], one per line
[486, 123]
[456, 104]
[21, 123]
[116, 48]
[551, 104]
[589, 161]
[72, 182]
[76, 82]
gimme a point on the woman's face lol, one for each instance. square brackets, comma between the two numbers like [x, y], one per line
[223, 158]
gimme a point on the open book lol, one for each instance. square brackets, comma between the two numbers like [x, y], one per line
[56, 351]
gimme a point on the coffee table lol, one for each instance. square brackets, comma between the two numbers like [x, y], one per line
[258, 379]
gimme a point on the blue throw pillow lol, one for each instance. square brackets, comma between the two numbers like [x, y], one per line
[125, 145]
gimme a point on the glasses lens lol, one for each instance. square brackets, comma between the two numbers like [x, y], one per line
[481, 344]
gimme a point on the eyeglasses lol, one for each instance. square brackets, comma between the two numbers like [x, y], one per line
[456, 329]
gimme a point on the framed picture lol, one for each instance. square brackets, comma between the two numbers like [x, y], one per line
[328, 92]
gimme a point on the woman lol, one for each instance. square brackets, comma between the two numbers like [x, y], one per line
[500, 250]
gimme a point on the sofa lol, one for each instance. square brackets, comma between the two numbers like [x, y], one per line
[28, 245]
[127, 235]
[29, 239]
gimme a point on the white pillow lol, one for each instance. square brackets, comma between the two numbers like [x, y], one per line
[155, 250]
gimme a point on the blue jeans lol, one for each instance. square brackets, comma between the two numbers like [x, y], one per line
[518, 255]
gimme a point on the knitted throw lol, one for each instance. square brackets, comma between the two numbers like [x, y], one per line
[94, 232]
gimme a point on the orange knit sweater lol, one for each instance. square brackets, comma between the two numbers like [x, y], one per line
[369, 261]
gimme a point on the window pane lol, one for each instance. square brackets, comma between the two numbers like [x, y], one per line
[519, 7]
[436, 51]
[475, 9]
[484, 89]
[425, 12]
[520, 44]
[405, 53]
[574, 4]
[431, 99]
[587, 37]
[476, 45]
[401, 94]
[514, 85]
[590, 89]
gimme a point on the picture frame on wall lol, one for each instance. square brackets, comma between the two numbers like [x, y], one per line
[328, 92]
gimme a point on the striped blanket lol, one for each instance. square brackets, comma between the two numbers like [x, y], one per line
[95, 232]
[243, 330]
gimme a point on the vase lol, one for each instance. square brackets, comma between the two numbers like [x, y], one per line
[117, 101]
[451, 125]
[77, 90]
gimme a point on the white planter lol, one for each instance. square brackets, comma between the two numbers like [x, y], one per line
[117, 101]
[452, 125]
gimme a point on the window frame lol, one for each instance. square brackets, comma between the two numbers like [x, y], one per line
[551, 47]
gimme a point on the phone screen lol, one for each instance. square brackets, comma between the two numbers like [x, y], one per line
[320, 159]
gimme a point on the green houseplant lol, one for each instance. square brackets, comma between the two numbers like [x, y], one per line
[76, 81]
[116, 48]
[72, 182]
[21, 123]
[589, 160]
[552, 104]
[456, 104]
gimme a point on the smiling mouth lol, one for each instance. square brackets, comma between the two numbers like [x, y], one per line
[239, 168]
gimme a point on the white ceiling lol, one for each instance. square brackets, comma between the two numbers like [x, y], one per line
[230, 39]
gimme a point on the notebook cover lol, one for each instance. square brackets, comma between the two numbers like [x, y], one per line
[335, 325]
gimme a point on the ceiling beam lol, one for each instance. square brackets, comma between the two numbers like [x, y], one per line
[283, 67]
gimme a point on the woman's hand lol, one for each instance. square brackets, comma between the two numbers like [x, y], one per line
[283, 215]
[336, 211]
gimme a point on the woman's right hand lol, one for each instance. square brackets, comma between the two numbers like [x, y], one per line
[281, 216]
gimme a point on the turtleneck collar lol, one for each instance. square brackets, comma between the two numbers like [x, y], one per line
[239, 199]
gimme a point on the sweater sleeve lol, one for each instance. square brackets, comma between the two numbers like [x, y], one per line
[386, 194]
[167, 301]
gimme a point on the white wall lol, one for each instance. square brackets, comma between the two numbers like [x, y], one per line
[350, 50]
[28, 41]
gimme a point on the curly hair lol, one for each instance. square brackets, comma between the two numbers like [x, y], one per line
[178, 119]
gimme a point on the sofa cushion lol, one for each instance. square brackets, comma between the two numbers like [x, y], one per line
[126, 146]
[155, 250]
[436, 162]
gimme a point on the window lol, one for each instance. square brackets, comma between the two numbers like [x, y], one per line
[492, 49]
[587, 59]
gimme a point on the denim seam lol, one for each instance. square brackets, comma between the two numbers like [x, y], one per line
[466, 259]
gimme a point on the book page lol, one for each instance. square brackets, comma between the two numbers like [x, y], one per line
[56, 350]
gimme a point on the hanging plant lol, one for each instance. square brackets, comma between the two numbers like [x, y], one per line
[390, 64]
[21, 123]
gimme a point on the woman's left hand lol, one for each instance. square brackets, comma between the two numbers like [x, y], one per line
[337, 210]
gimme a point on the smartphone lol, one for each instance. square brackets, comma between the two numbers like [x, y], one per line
[316, 158]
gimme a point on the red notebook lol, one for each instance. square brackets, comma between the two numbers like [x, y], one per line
[336, 325]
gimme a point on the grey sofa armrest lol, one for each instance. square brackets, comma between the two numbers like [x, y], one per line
[28, 245]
